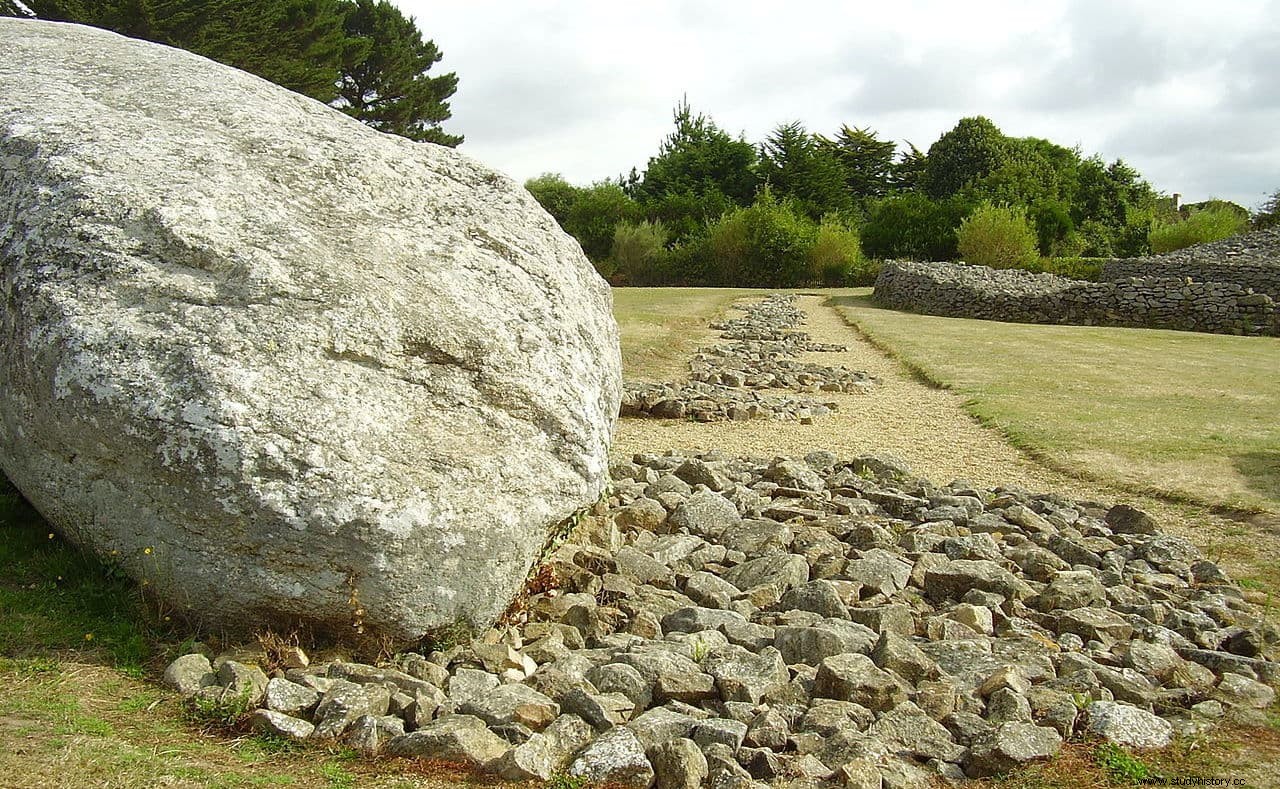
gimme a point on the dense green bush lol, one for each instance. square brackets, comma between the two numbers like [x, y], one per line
[639, 253]
[1211, 224]
[595, 212]
[914, 227]
[766, 244]
[554, 194]
[686, 214]
[998, 236]
[835, 258]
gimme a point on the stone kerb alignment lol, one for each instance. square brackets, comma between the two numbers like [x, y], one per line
[964, 291]
[1251, 260]
[727, 381]
[747, 622]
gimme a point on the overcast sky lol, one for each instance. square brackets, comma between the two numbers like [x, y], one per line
[1187, 92]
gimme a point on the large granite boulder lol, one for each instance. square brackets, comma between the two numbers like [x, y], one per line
[282, 366]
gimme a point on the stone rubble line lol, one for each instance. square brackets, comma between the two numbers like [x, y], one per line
[725, 380]
[736, 622]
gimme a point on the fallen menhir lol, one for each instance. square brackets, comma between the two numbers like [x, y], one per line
[809, 622]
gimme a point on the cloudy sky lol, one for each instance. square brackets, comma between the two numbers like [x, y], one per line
[1188, 92]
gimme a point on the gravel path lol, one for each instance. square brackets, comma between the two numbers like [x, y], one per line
[930, 429]
[924, 426]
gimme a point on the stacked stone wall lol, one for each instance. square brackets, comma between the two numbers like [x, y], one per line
[1250, 261]
[1162, 302]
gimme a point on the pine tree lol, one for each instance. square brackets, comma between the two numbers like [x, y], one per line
[386, 86]
[699, 159]
[796, 165]
[867, 160]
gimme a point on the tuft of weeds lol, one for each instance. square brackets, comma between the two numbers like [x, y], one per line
[224, 712]
[562, 781]
[446, 637]
[59, 597]
[1120, 765]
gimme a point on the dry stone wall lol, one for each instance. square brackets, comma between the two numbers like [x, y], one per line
[1250, 261]
[1161, 302]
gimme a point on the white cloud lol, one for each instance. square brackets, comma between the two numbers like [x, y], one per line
[1187, 92]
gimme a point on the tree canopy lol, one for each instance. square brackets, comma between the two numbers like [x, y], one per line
[386, 85]
[697, 158]
[361, 56]
[972, 150]
[867, 161]
[795, 164]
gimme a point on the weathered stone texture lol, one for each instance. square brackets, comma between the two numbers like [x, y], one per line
[280, 365]
[1201, 289]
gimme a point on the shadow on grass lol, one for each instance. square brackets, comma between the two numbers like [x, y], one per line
[853, 301]
[56, 597]
[1261, 471]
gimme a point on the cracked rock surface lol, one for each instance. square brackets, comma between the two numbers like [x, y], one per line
[274, 362]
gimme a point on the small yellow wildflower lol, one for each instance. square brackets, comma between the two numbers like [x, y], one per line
[147, 550]
[88, 636]
[51, 535]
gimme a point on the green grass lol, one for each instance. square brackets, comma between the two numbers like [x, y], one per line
[1187, 415]
[660, 327]
[56, 597]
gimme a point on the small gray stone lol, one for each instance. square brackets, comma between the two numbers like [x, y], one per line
[767, 730]
[878, 570]
[1238, 689]
[289, 697]
[1127, 725]
[854, 677]
[345, 701]
[907, 727]
[705, 513]
[1008, 746]
[241, 680]
[783, 570]
[1071, 589]
[369, 733]
[820, 597]
[1095, 624]
[615, 757]
[719, 730]
[809, 645]
[189, 674]
[280, 724]
[624, 679]
[467, 684]
[898, 654]
[742, 675]
[461, 738]
[678, 764]
[1124, 519]
[694, 619]
[513, 704]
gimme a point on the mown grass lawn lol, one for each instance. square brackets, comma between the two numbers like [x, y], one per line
[660, 327]
[1182, 413]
